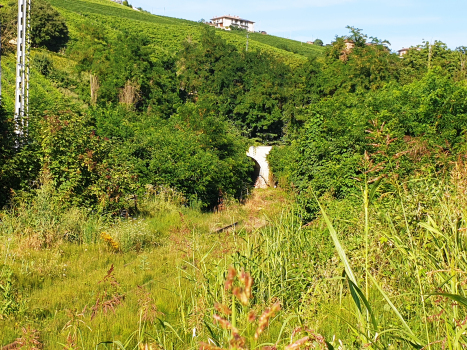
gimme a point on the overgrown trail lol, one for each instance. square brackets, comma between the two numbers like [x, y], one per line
[61, 276]
[263, 204]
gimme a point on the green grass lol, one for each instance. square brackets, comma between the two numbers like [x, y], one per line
[43, 94]
[171, 251]
[405, 260]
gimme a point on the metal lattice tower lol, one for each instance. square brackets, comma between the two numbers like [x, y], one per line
[22, 69]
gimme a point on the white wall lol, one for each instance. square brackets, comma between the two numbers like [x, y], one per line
[259, 154]
[227, 22]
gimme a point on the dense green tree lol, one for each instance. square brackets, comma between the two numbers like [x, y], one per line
[48, 27]
[403, 129]
[252, 89]
[368, 65]
[318, 42]
[125, 72]
[201, 162]
[419, 60]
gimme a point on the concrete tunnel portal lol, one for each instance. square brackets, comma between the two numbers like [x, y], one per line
[262, 174]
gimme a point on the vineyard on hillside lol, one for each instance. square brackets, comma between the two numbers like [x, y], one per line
[167, 34]
[293, 46]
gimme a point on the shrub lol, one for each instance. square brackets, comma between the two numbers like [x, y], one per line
[403, 129]
[318, 42]
[48, 27]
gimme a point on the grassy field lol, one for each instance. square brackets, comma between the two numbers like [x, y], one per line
[54, 268]
[388, 273]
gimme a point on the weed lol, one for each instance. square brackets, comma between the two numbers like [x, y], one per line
[110, 241]
[110, 297]
[240, 285]
[11, 304]
[147, 306]
[30, 340]
[73, 328]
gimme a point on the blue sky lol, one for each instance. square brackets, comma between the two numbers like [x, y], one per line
[403, 23]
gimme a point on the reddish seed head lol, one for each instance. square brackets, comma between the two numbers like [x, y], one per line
[225, 324]
[230, 277]
[297, 344]
[223, 309]
[252, 316]
[265, 317]
[206, 346]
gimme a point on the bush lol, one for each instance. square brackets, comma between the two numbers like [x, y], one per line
[282, 162]
[402, 129]
[196, 152]
[48, 27]
[318, 42]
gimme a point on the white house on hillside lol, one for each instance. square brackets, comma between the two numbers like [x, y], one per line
[225, 22]
[404, 50]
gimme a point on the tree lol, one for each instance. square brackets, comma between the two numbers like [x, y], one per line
[318, 42]
[252, 88]
[48, 27]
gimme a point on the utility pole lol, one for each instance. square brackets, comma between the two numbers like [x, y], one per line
[28, 62]
[22, 69]
[247, 37]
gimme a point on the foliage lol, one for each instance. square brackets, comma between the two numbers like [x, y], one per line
[405, 129]
[6, 151]
[48, 27]
[11, 304]
[83, 167]
[239, 85]
[280, 163]
[318, 42]
[121, 62]
[422, 58]
[364, 67]
[195, 152]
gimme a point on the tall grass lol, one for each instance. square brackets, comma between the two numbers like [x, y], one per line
[388, 273]
[413, 267]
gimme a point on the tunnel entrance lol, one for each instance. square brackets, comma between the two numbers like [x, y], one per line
[256, 171]
[261, 171]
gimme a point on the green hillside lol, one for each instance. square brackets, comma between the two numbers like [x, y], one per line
[294, 46]
[167, 34]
